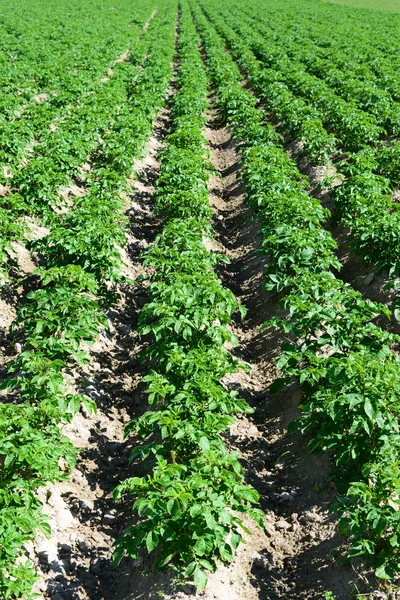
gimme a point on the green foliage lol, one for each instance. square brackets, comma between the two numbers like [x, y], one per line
[329, 112]
[80, 263]
[189, 506]
[343, 361]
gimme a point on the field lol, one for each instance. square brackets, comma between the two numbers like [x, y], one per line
[199, 320]
[392, 6]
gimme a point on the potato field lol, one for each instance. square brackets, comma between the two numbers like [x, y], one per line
[199, 321]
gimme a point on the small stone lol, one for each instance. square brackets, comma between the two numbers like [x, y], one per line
[369, 279]
[269, 530]
[282, 525]
[18, 348]
[64, 519]
[91, 391]
[96, 366]
[285, 497]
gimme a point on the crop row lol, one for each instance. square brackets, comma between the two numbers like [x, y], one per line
[357, 55]
[342, 360]
[80, 261]
[190, 504]
[51, 56]
[363, 201]
[59, 153]
[336, 93]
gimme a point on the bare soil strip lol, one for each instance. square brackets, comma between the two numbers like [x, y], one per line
[292, 559]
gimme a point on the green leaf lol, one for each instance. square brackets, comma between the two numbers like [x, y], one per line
[200, 547]
[236, 538]
[204, 443]
[117, 556]
[190, 569]
[195, 510]
[277, 385]
[152, 541]
[174, 507]
[90, 405]
[381, 573]
[74, 404]
[200, 579]
[369, 411]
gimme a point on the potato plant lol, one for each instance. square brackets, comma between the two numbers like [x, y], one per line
[80, 262]
[342, 359]
[189, 508]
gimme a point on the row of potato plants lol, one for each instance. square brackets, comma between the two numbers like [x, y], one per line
[363, 201]
[59, 154]
[22, 126]
[298, 97]
[384, 158]
[191, 501]
[342, 359]
[47, 66]
[80, 262]
[355, 46]
[312, 74]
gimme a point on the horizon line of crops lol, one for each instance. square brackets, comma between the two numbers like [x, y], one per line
[343, 361]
